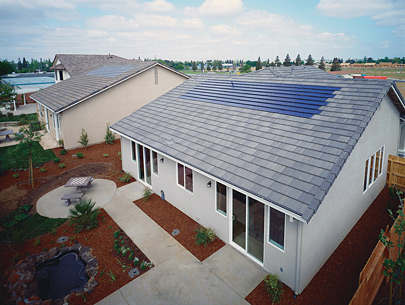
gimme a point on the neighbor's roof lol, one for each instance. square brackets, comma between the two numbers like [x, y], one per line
[76, 64]
[291, 71]
[74, 90]
[233, 128]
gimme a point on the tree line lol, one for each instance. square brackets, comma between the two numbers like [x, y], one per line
[23, 66]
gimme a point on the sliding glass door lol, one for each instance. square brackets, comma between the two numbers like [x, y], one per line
[144, 165]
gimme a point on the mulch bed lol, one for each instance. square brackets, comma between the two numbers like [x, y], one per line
[170, 218]
[100, 239]
[338, 279]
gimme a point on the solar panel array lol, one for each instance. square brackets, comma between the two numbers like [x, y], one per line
[111, 71]
[296, 100]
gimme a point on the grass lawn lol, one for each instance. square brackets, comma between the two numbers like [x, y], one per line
[32, 227]
[11, 158]
[31, 117]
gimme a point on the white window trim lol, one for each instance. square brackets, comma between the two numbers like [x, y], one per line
[184, 171]
[268, 231]
[226, 203]
[369, 184]
[131, 144]
[157, 163]
[144, 165]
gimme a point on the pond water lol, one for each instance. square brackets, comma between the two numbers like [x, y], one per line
[60, 276]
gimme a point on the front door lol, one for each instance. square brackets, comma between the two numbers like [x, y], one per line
[248, 225]
[144, 164]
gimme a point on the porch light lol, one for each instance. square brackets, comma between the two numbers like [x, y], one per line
[209, 184]
[162, 160]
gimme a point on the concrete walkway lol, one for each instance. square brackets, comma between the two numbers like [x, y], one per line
[51, 205]
[226, 277]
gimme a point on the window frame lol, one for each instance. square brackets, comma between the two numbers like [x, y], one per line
[224, 214]
[134, 152]
[275, 244]
[155, 171]
[184, 177]
[370, 168]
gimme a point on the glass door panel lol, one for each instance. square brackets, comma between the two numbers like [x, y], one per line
[255, 243]
[148, 166]
[141, 163]
[239, 219]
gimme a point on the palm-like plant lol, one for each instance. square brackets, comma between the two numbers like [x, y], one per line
[83, 216]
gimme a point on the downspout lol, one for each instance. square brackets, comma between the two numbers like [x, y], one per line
[298, 259]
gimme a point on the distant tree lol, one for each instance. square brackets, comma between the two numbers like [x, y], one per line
[268, 62]
[202, 66]
[365, 59]
[310, 61]
[19, 65]
[24, 63]
[322, 64]
[208, 67]
[220, 65]
[194, 66]
[335, 65]
[214, 67]
[287, 61]
[246, 68]
[298, 60]
[259, 64]
[6, 67]
[277, 62]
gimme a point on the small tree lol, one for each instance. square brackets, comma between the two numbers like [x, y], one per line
[109, 136]
[335, 65]
[84, 139]
[220, 67]
[298, 60]
[394, 265]
[322, 64]
[83, 216]
[259, 64]
[214, 67]
[246, 68]
[287, 61]
[28, 138]
[208, 67]
[194, 66]
[7, 94]
[310, 61]
[277, 62]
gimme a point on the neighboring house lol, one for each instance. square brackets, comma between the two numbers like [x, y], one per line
[101, 96]
[69, 65]
[291, 71]
[281, 169]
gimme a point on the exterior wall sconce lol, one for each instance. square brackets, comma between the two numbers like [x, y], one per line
[209, 184]
[162, 160]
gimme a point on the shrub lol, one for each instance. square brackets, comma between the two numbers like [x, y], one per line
[130, 257]
[115, 246]
[84, 216]
[147, 192]
[109, 136]
[63, 152]
[204, 236]
[84, 139]
[21, 217]
[61, 165]
[273, 287]
[117, 234]
[42, 169]
[60, 142]
[37, 242]
[79, 155]
[105, 155]
[125, 178]
[56, 160]
[16, 175]
[136, 261]
[143, 265]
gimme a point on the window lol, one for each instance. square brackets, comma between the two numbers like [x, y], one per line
[373, 168]
[60, 75]
[133, 145]
[221, 198]
[185, 177]
[156, 76]
[276, 228]
[155, 165]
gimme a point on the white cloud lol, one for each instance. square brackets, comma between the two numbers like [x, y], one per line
[113, 23]
[159, 6]
[193, 23]
[390, 18]
[352, 8]
[216, 8]
[224, 29]
[96, 33]
[148, 20]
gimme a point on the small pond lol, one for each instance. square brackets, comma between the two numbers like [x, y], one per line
[58, 277]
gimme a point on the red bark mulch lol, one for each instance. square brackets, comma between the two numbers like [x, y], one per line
[100, 240]
[170, 218]
[338, 279]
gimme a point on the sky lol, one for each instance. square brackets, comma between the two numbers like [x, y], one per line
[201, 30]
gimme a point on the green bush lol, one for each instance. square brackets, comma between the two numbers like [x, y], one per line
[109, 136]
[136, 261]
[84, 139]
[42, 169]
[147, 192]
[125, 178]
[105, 155]
[204, 236]
[16, 175]
[61, 165]
[63, 152]
[83, 216]
[21, 217]
[56, 160]
[79, 155]
[273, 287]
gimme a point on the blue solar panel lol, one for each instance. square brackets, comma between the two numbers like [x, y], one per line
[296, 100]
[111, 71]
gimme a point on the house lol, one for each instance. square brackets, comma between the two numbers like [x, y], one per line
[101, 96]
[282, 168]
[69, 65]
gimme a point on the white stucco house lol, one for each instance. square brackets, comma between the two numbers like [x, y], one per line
[281, 168]
[100, 96]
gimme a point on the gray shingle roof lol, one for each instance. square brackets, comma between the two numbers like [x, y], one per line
[76, 64]
[73, 90]
[292, 71]
[287, 160]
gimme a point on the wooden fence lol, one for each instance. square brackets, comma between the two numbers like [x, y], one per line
[372, 274]
[396, 172]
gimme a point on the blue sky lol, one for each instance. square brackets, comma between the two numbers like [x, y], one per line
[200, 30]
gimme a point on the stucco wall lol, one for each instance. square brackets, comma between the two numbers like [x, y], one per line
[345, 202]
[113, 104]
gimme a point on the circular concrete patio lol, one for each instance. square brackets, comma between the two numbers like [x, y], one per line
[52, 206]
